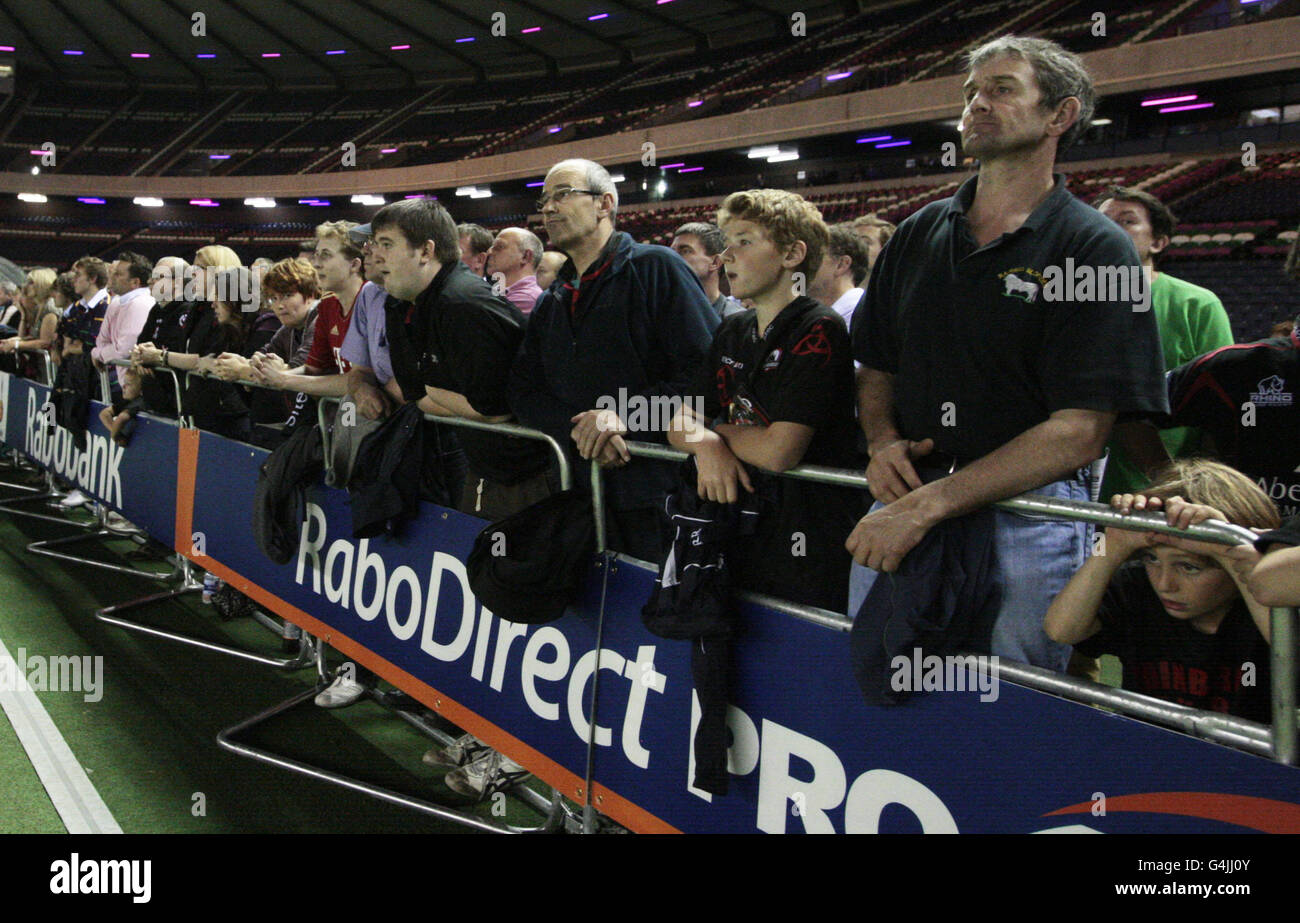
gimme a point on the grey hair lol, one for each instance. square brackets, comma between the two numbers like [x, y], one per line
[1060, 75]
[8, 287]
[598, 178]
[528, 241]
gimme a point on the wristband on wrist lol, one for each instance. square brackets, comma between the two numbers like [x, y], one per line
[164, 357]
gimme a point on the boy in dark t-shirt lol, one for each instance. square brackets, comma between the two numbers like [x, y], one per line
[1178, 613]
[778, 392]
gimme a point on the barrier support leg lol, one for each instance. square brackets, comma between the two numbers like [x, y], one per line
[554, 808]
[304, 656]
[52, 493]
[102, 531]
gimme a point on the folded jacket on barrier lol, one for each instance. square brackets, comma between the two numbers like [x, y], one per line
[280, 500]
[71, 396]
[692, 601]
[942, 599]
[386, 477]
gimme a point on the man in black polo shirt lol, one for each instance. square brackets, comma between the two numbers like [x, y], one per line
[623, 330]
[452, 342]
[985, 355]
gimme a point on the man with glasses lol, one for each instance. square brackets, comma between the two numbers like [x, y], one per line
[624, 325]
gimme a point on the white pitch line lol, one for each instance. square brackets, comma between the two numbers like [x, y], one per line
[69, 788]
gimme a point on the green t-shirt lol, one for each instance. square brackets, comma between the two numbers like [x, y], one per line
[1192, 322]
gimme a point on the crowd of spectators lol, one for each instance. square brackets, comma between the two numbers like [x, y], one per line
[936, 355]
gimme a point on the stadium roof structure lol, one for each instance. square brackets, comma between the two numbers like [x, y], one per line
[365, 44]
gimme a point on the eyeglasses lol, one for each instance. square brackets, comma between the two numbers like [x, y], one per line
[559, 195]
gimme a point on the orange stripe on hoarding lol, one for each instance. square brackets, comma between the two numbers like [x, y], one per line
[569, 783]
[187, 468]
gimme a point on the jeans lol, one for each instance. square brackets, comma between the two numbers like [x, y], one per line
[1035, 560]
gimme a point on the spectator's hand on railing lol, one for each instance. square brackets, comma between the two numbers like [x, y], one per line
[9, 345]
[146, 354]
[890, 474]
[882, 539]
[371, 402]
[231, 367]
[719, 471]
[615, 454]
[593, 430]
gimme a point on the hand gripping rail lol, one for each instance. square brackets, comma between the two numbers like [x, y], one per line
[1278, 742]
[552, 808]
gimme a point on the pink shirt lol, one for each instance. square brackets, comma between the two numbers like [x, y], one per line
[524, 293]
[122, 325]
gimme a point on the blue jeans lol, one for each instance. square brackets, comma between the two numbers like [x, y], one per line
[1035, 560]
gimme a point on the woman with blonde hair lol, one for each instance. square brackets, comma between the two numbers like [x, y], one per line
[211, 257]
[1177, 612]
[38, 322]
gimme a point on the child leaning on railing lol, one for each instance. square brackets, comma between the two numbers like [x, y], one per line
[1178, 613]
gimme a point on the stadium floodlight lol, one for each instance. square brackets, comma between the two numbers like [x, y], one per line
[465, 190]
[145, 201]
[32, 197]
[661, 187]
[260, 202]
[783, 156]
[615, 177]
[36, 171]
[766, 150]
[484, 193]
[1096, 122]
[368, 200]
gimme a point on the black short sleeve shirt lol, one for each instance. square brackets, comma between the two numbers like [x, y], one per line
[987, 342]
[801, 372]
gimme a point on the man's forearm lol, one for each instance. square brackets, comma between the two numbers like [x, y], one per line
[774, 448]
[876, 405]
[1042, 454]
[443, 403]
[315, 385]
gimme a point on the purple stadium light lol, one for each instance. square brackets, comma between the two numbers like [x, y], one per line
[874, 138]
[6, 47]
[205, 55]
[38, 153]
[388, 150]
[1166, 100]
[270, 54]
[72, 51]
[418, 195]
[468, 38]
[690, 169]
[596, 16]
[671, 166]
[902, 143]
[555, 129]
[91, 200]
[399, 47]
[662, 2]
[534, 185]
[338, 51]
[218, 157]
[530, 29]
[830, 78]
[204, 203]
[140, 54]
[695, 102]
[1185, 108]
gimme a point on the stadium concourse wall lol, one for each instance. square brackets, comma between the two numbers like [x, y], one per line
[1259, 48]
[807, 754]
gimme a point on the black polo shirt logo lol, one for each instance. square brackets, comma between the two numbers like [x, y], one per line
[1022, 283]
[772, 361]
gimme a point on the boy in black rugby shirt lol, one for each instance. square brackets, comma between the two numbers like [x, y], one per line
[778, 392]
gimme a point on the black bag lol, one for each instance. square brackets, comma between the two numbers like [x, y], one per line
[528, 567]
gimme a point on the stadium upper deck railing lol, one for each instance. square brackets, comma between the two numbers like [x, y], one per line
[1280, 741]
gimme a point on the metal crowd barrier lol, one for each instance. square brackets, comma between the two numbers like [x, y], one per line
[1277, 742]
